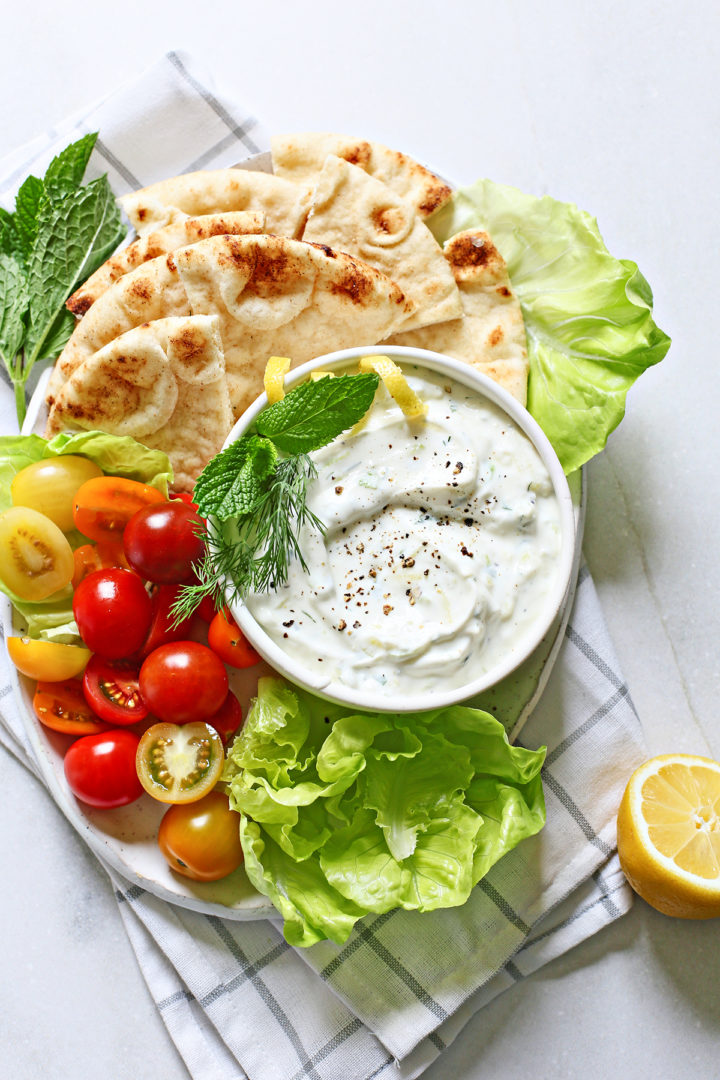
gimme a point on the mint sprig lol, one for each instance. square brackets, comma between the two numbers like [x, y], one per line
[59, 234]
[255, 491]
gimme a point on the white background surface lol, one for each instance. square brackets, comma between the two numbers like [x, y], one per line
[614, 106]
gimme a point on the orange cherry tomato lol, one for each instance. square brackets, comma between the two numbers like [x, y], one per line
[104, 555]
[62, 707]
[102, 507]
[201, 840]
[227, 640]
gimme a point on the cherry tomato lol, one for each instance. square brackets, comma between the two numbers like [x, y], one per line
[47, 660]
[112, 690]
[161, 542]
[201, 840]
[103, 507]
[184, 496]
[179, 764]
[100, 769]
[49, 486]
[104, 555]
[162, 628]
[227, 640]
[62, 707]
[227, 719]
[183, 682]
[113, 613]
[206, 610]
[36, 559]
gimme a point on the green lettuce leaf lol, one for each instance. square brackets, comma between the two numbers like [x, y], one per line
[588, 315]
[343, 815]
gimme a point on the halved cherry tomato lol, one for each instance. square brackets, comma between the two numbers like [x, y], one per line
[62, 707]
[201, 840]
[47, 660]
[103, 507]
[162, 541]
[183, 682]
[112, 690]
[162, 628]
[113, 613]
[179, 764]
[227, 640]
[36, 559]
[104, 555]
[228, 719]
[100, 769]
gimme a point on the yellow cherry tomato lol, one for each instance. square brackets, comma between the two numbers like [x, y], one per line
[35, 558]
[47, 660]
[49, 486]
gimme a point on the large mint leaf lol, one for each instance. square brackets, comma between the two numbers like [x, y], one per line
[72, 235]
[315, 413]
[233, 483]
[65, 172]
[13, 305]
[27, 210]
[10, 241]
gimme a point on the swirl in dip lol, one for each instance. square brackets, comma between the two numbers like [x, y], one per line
[442, 545]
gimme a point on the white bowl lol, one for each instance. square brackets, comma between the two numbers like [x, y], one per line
[336, 691]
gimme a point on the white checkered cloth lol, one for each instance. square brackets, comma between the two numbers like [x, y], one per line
[397, 993]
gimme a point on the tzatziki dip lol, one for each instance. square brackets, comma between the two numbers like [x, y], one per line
[442, 545]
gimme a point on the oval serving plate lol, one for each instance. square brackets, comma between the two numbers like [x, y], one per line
[125, 838]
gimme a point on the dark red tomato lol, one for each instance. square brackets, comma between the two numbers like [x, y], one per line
[100, 769]
[102, 507]
[228, 719]
[183, 682]
[62, 707]
[184, 496]
[113, 613]
[206, 610]
[111, 688]
[162, 628]
[201, 840]
[227, 640]
[162, 542]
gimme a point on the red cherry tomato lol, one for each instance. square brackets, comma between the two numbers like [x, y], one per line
[162, 628]
[228, 719]
[201, 840]
[103, 507]
[183, 682]
[206, 610]
[162, 542]
[112, 690]
[113, 613]
[62, 707]
[100, 769]
[184, 496]
[227, 640]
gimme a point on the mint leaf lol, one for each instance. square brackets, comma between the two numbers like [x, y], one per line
[315, 413]
[13, 305]
[58, 335]
[234, 482]
[27, 208]
[10, 242]
[74, 237]
[65, 172]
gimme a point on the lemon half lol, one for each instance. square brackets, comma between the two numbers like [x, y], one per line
[669, 835]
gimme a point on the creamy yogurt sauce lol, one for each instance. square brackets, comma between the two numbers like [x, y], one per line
[442, 546]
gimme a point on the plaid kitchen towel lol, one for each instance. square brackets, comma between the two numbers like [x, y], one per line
[387, 1002]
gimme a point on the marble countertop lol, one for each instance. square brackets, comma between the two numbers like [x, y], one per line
[614, 107]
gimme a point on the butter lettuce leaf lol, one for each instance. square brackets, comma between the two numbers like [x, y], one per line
[345, 814]
[588, 315]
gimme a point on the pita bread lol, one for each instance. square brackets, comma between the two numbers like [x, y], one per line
[273, 296]
[353, 212]
[163, 384]
[491, 333]
[183, 231]
[283, 203]
[300, 158]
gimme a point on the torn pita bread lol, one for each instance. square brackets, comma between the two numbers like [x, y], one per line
[272, 295]
[181, 232]
[300, 157]
[491, 333]
[162, 383]
[218, 191]
[353, 212]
